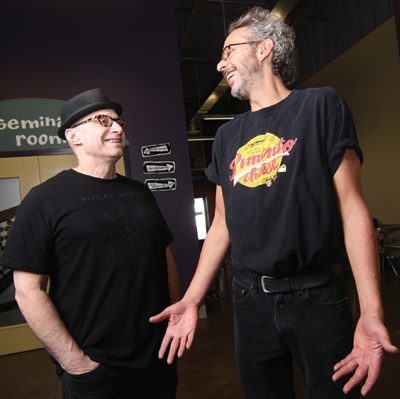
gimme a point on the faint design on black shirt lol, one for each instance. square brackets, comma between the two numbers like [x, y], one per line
[127, 230]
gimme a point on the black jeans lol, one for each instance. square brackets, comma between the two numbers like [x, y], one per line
[313, 326]
[109, 382]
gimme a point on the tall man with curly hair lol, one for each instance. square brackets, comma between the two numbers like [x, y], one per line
[289, 202]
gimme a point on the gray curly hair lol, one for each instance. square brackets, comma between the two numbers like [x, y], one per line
[264, 25]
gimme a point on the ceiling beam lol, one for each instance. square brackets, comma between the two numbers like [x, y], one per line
[283, 7]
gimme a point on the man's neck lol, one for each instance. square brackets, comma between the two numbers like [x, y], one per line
[101, 170]
[270, 92]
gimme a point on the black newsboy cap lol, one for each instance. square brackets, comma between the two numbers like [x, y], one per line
[82, 104]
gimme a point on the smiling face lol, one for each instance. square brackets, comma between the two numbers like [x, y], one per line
[92, 140]
[241, 67]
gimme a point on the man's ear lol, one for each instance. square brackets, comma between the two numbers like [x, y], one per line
[73, 136]
[265, 49]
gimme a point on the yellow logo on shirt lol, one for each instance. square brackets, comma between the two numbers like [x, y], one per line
[259, 161]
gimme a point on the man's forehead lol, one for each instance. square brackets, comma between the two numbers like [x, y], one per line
[237, 35]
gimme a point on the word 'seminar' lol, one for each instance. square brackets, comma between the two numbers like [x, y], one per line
[41, 121]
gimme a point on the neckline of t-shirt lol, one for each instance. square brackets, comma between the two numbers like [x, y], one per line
[93, 178]
[273, 108]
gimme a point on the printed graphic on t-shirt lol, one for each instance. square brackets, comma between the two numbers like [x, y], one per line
[126, 230]
[260, 160]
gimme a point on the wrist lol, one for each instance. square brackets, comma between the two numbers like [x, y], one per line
[191, 302]
[372, 313]
[74, 362]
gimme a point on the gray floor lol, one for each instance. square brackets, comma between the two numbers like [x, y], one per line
[208, 371]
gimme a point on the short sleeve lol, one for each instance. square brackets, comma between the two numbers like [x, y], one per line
[340, 132]
[29, 245]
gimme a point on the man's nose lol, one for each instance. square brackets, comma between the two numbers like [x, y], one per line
[221, 66]
[116, 127]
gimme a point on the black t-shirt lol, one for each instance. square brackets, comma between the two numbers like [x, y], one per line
[275, 167]
[102, 242]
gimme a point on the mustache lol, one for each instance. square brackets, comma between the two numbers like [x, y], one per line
[227, 72]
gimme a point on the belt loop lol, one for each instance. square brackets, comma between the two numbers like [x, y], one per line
[293, 282]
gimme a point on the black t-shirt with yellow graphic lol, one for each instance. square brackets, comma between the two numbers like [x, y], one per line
[275, 167]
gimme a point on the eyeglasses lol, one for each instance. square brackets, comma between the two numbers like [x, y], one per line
[226, 52]
[104, 120]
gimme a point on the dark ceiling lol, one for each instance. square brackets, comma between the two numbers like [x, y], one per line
[324, 30]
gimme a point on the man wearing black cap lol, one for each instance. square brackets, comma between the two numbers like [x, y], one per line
[101, 241]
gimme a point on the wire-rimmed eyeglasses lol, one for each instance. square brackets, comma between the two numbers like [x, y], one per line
[103, 120]
[226, 52]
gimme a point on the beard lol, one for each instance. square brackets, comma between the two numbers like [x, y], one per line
[249, 75]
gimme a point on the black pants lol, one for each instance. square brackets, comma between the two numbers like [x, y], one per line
[158, 381]
[313, 326]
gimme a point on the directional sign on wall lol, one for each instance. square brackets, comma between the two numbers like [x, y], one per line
[161, 184]
[158, 167]
[154, 150]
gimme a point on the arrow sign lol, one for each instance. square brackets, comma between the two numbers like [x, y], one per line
[159, 167]
[161, 184]
[154, 150]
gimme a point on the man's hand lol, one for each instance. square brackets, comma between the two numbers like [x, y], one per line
[371, 340]
[182, 322]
